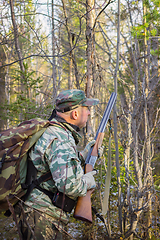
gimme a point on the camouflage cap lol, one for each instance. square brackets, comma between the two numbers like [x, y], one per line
[71, 99]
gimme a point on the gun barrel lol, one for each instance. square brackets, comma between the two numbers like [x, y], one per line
[104, 120]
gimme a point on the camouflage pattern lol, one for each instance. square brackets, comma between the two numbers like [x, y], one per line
[56, 151]
[15, 143]
[37, 225]
[70, 99]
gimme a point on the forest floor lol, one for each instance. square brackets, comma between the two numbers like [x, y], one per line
[8, 230]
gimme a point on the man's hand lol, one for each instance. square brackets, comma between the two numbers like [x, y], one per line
[86, 150]
[89, 179]
[83, 155]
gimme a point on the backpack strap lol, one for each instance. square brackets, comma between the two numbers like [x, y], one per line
[48, 193]
[57, 198]
[31, 177]
[2, 161]
[35, 184]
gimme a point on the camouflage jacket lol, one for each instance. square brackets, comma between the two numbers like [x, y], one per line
[56, 151]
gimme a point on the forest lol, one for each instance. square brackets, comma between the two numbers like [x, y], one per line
[100, 47]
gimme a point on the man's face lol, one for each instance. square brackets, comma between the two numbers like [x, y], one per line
[84, 112]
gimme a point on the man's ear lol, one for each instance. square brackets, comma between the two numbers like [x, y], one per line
[74, 114]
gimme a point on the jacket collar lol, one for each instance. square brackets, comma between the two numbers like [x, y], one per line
[71, 127]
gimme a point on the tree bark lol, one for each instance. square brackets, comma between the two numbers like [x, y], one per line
[72, 59]
[54, 75]
[16, 39]
[90, 19]
[115, 125]
[18, 50]
[3, 97]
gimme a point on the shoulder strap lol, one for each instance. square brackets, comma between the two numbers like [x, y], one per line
[35, 184]
[2, 161]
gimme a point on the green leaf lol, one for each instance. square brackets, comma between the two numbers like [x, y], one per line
[153, 32]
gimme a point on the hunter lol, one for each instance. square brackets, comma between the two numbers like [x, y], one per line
[56, 151]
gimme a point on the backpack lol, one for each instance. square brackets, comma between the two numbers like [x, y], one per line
[14, 146]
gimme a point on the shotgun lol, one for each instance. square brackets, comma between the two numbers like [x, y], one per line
[83, 209]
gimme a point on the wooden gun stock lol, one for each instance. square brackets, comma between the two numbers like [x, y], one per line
[83, 210]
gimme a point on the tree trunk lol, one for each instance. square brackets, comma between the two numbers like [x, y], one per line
[54, 75]
[18, 50]
[3, 97]
[72, 59]
[90, 19]
[70, 79]
[16, 39]
[115, 125]
[154, 64]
